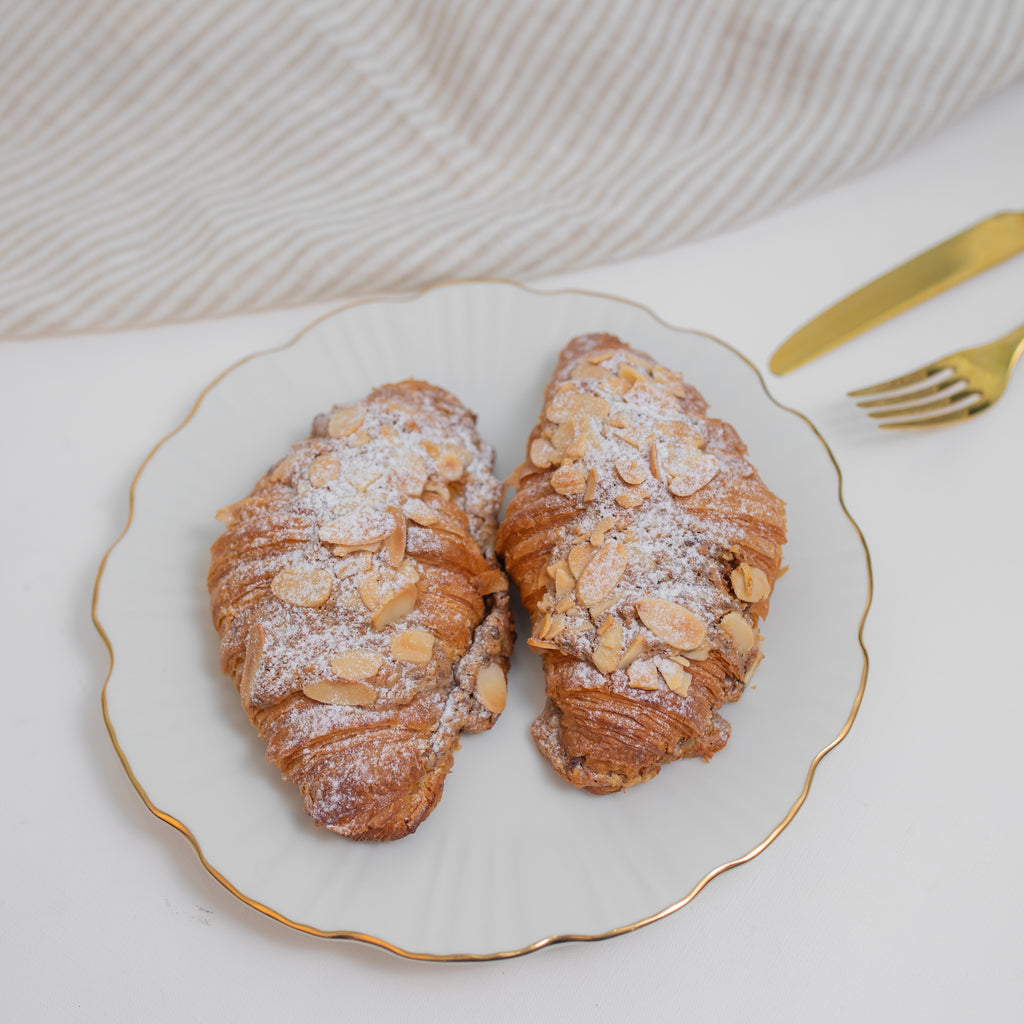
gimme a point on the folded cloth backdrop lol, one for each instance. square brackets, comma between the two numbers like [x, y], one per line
[162, 161]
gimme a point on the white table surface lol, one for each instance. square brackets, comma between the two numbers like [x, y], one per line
[897, 891]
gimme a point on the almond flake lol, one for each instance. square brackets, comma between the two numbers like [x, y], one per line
[570, 402]
[633, 498]
[324, 469]
[420, 512]
[749, 583]
[676, 678]
[591, 487]
[597, 534]
[542, 453]
[578, 558]
[327, 691]
[568, 480]
[739, 631]
[415, 646]
[343, 422]
[409, 474]
[492, 688]
[632, 471]
[366, 525]
[394, 543]
[304, 586]
[672, 623]
[397, 606]
[357, 664]
[602, 574]
[643, 675]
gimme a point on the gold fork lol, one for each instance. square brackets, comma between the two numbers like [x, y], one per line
[959, 385]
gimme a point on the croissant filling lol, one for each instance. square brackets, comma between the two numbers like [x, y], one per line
[645, 547]
[361, 609]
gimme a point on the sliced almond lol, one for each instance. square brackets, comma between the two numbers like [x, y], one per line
[590, 371]
[633, 498]
[343, 422]
[327, 691]
[452, 462]
[409, 474]
[578, 557]
[420, 512]
[361, 437]
[492, 688]
[652, 459]
[551, 626]
[542, 453]
[564, 580]
[597, 534]
[677, 430]
[615, 386]
[632, 373]
[369, 590]
[324, 469]
[670, 380]
[591, 487]
[740, 632]
[749, 674]
[365, 525]
[568, 480]
[357, 565]
[541, 645]
[636, 647]
[283, 470]
[749, 583]
[304, 586]
[397, 606]
[361, 477]
[643, 675]
[676, 677]
[250, 667]
[688, 469]
[565, 604]
[606, 658]
[356, 664]
[632, 471]
[602, 574]
[570, 402]
[415, 646]
[672, 623]
[619, 419]
[394, 542]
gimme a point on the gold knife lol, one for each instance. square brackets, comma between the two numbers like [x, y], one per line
[980, 247]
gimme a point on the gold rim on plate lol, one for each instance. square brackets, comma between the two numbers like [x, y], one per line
[549, 940]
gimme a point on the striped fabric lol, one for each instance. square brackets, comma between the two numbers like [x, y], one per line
[161, 161]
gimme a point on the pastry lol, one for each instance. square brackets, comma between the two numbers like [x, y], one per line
[645, 547]
[361, 610]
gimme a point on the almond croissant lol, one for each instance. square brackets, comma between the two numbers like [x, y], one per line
[361, 609]
[645, 548]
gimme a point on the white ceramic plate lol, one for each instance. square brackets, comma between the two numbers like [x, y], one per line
[513, 858]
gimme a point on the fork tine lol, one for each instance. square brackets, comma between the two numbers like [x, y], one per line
[897, 382]
[963, 412]
[902, 396]
[946, 402]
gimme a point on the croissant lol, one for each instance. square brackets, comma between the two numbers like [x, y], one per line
[361, 609]
[645, 548]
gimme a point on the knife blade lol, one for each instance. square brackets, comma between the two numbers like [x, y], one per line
[980, 247]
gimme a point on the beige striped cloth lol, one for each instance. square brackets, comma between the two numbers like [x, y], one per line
[161, 161]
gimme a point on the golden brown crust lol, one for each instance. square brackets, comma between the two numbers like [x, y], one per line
[362, 612]
[645, 548]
